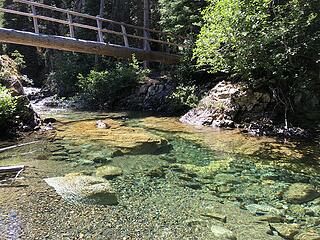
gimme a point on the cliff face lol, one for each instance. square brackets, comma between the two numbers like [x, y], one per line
[25, 117]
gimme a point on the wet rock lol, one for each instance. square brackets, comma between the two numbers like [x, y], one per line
[259, 209]
[49, 120]
[222, 233]
[121, 139]
[108, 171]
[210, 213]
[225, 178]
[307, 235]
[301, 193]
[158, 172]
[271, 218]
[80, 188]
[287, 231]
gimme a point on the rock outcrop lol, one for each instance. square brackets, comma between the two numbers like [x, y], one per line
[227, 104]
[26, 118]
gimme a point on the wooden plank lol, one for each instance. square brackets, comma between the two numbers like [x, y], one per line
[77, 45]
[125, 37]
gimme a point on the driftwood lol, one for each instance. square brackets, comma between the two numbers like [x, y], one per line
[11, 172]
[16, 146]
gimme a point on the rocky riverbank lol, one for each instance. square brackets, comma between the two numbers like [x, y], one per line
[25, 118]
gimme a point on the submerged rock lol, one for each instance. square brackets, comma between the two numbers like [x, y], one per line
[86, 189]
[108, 171]
[301, 193]
[117, 138]
[222, 233]
[287, 231]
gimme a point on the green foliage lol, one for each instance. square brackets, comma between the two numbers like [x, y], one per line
[257, 39]
[103, 88]
[7, 107]
[273, 44]
[184, 97]
[181, 16]
[18, 58]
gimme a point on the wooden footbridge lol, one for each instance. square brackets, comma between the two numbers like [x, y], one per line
[162, 45]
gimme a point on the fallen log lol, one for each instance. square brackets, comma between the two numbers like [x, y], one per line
[11, 172]
[16, 146]
[10, 169]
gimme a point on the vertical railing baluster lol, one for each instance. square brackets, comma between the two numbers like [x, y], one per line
[125, 37]
[99, 25]
[35, 20]
[71, 29]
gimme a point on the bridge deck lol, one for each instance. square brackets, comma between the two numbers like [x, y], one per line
[83, 46]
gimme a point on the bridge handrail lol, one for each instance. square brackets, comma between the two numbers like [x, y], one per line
[74, 13]
[86, 26]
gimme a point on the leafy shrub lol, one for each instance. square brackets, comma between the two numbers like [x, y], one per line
[272, 44]
[103, 88]
[184, 97]
[18, 58]
[7, 107]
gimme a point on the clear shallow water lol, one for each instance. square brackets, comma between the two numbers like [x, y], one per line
[162, 194]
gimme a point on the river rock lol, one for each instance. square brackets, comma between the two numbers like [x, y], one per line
[222, 233]
[263, 209]
[123, 139]
[225, 103]
[108, 171]
[287, 231]
[80, 188]
[301, 193]
[270, 218]
[101, 124]
[307, 235]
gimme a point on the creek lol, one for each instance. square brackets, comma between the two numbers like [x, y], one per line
[175, 181]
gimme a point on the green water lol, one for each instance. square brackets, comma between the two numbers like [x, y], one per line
[162, 194]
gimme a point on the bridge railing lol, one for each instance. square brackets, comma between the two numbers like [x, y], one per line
[71, 23]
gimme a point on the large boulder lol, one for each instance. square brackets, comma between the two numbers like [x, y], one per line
[226, 103]
[26, 117]
[85, 189]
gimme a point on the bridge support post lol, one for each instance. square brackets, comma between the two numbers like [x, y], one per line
[35, 20]
[99, 25]
[125, 37]
[71, 29]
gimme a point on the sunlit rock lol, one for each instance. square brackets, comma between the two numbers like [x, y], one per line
[78, 188]
[128, 140]
[108, 171]
[301, 193]
[222, 233]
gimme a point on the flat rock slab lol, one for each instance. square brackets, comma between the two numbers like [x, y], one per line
[83, 189]
[130, 140]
